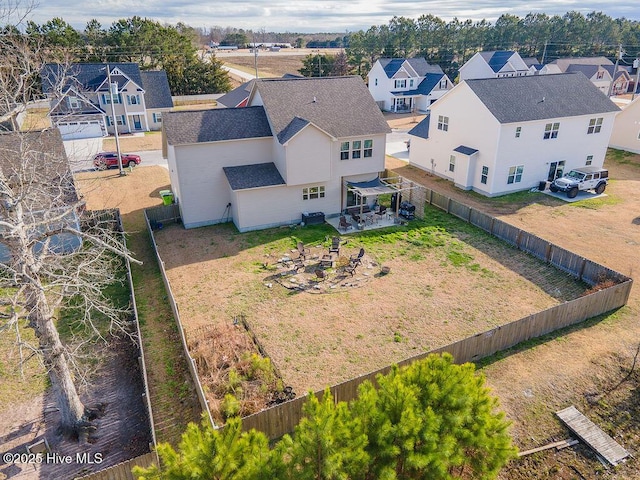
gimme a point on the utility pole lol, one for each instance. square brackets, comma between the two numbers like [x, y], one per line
[636, 64]
[615, 69]
[544, 52]
[112, 87]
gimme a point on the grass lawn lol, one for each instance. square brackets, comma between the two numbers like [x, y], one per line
[447, 282]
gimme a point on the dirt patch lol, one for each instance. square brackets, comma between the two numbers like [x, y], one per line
[268, 66]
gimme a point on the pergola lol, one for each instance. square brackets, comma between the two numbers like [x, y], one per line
[378, 186]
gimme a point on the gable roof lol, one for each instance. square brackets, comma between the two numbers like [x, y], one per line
[497, 59]
[340, 106]
[419, 64]
[253, 176]
[89, 76]
[588, 70]
[157, 93]
[528, 98]
[421, 129]
[215, 125]
[237, 96]
[563, 63]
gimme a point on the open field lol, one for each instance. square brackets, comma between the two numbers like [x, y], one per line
[268, 66]
[347, 326]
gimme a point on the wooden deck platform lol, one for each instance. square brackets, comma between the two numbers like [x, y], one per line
[604, 446]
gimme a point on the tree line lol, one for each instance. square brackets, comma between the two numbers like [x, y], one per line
[451, 44]
[148, 43]
[432, 419]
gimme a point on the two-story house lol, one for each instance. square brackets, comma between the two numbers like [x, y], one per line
[81, 104]
[501, 135]
[406, 84]
[495, 64]
[293, 150]
[600, 70]
[626, 128]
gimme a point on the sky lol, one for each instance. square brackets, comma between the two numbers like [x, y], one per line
[308, 16]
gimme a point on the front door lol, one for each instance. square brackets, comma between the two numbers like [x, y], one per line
[556, 169]
[137, 125]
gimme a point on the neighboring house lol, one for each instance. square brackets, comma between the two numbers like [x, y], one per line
[81, 100]
[497, 136]
[626, 128]
[406, 85]
[34, 165]
[237, 97]
[600, 70]
[496, 64]
[533, 64]
[292, 150]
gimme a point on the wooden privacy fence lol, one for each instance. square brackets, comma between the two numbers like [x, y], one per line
[283, 418]
[122, 471]
[170, 213]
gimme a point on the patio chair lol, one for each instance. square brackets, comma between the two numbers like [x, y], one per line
[344, 225]
[298, 263]
[357, 258]
[351, 268]
[335, 246]
[303, 251]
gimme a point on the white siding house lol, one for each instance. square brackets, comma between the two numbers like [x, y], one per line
[497, 136]
[292, 151]
[626, 128]
[496, 64]
[405, 85]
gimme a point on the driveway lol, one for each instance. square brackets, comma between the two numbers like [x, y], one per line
[81, 152]
[396, 143]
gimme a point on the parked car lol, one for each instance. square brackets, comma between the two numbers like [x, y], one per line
[104, 160]
[583, 178]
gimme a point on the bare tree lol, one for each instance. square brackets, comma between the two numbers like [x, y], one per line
[54, 257]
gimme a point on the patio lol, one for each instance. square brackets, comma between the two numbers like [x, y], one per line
[370, 221]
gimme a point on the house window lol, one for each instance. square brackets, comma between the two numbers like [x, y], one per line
[312, 193]
[589, 160]
[443, 84]
[515, 174]
[133, 99]
[485, 174]
[109, 121]
[443, 123]
[368, 148]
[356, 149]
[518, 131]
[401, 83]
[452, 163]
[106, 99]
[120, 118]
[600, 75]
[411, 82]
[595, 125]
[344, 151]
[551, 130]
[157, 117]
[74, 102]
[375, 82]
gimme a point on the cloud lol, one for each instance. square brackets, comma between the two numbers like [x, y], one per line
[310, 15]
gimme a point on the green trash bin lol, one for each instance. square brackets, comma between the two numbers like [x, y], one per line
[167, 197]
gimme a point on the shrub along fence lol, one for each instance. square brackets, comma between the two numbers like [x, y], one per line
[611, 291]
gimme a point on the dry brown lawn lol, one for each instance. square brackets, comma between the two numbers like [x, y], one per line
[445, 284]
[268, 66]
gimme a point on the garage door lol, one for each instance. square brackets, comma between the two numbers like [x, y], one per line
[76, 130]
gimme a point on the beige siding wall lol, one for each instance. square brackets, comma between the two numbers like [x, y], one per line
[308, 157]
[203, 189]
[626, 130]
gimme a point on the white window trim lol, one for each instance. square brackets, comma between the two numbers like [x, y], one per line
[308, 194]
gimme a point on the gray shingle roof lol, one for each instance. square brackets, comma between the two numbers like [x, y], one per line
[341, 106]
[157, 93]
[236, 96]
[497, 59]
[89, 75]
[421, 129]
[522, 99]
[215, 125]
[253, 176]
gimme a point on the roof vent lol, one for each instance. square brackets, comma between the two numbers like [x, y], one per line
[542, 100]
[314, 99]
